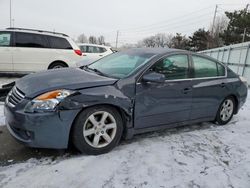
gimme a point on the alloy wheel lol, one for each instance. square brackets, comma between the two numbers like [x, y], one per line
[99, 129]
[226, 110]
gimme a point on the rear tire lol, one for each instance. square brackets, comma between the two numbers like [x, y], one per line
[57, 65]
[97, 130]
[225, 111]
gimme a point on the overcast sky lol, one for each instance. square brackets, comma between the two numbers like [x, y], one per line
[133, 18]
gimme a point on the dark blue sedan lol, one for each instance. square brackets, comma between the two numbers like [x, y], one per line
[121, 95]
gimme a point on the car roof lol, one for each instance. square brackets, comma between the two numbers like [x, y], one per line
[156, 51]
[34, 31]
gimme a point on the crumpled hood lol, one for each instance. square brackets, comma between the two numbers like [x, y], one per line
[35, 84]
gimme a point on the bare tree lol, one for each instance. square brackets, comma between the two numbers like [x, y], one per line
[158, 40]
[82, 38]
[169, 40]
[218, 28]
[161, 40]
[149, 42]
[92, 40]
[101, 40]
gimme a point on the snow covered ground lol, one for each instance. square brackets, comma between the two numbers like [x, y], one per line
[204, 155]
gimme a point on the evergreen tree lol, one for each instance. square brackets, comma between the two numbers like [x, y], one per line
[238, 22]
[200, 39]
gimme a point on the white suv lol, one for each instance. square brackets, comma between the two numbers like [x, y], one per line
[27, 50]
[93, 52]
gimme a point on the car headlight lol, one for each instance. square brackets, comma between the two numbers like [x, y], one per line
[47, 101]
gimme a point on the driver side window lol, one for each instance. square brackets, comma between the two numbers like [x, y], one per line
[173, 67]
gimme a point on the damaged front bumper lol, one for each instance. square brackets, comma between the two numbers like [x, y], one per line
[40, 130]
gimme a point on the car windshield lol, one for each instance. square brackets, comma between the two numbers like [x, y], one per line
[121, 64]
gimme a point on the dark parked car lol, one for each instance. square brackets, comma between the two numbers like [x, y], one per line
[123, 94]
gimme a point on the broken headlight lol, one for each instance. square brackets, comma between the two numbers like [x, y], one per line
[47, 101]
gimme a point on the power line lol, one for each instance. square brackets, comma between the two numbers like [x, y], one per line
[168, 27]
[155, 25]
[171, 19]
[231, 4]
[168, 24]
[134, 33]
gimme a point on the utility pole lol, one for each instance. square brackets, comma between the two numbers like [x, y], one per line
[246, 8]
[10, 13]
[209, 43]
[245, 29]
[13, 22]
[215, 12]
[117, 36]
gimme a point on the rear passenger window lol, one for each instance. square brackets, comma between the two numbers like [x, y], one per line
[90, 49]
[5, 39]
[93, 49]
[59, 43]
[173, 67]
[204, 67]
[30, 40]
[102, 50]
[96, 49]
[83, 48]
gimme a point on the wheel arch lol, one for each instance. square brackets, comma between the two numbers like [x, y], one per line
[236, 102]
[57, 61]
[126, 117]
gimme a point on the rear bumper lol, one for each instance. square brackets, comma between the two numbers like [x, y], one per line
[242, 97]
[40, 130]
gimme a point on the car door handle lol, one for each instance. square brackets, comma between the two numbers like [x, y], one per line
[100, 55]
[187, 90]
[222, 85]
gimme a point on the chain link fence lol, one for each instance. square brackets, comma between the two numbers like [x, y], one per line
[236, 56]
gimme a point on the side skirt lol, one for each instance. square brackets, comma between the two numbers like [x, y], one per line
[130, 132]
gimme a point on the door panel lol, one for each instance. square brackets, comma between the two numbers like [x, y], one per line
[31, 59]
[31, 52]
[161, 104]
[208, 87]
[207, 96]
[6, 59]
[167, 102]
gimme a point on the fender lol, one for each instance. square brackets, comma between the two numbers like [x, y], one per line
[103, 95]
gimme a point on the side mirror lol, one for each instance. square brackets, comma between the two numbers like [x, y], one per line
[154, 77]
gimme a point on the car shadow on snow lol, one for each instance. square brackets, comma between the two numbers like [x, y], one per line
[12, 152]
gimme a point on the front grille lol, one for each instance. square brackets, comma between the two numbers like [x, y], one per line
[15, 96]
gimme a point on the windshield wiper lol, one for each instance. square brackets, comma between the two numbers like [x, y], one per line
[86, 67]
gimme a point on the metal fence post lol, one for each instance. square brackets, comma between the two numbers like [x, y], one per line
[228, 57]
[245, 61]
[222, 57]
[218, 54]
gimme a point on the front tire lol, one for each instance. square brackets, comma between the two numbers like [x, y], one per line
[225, 111]
[97, 130]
